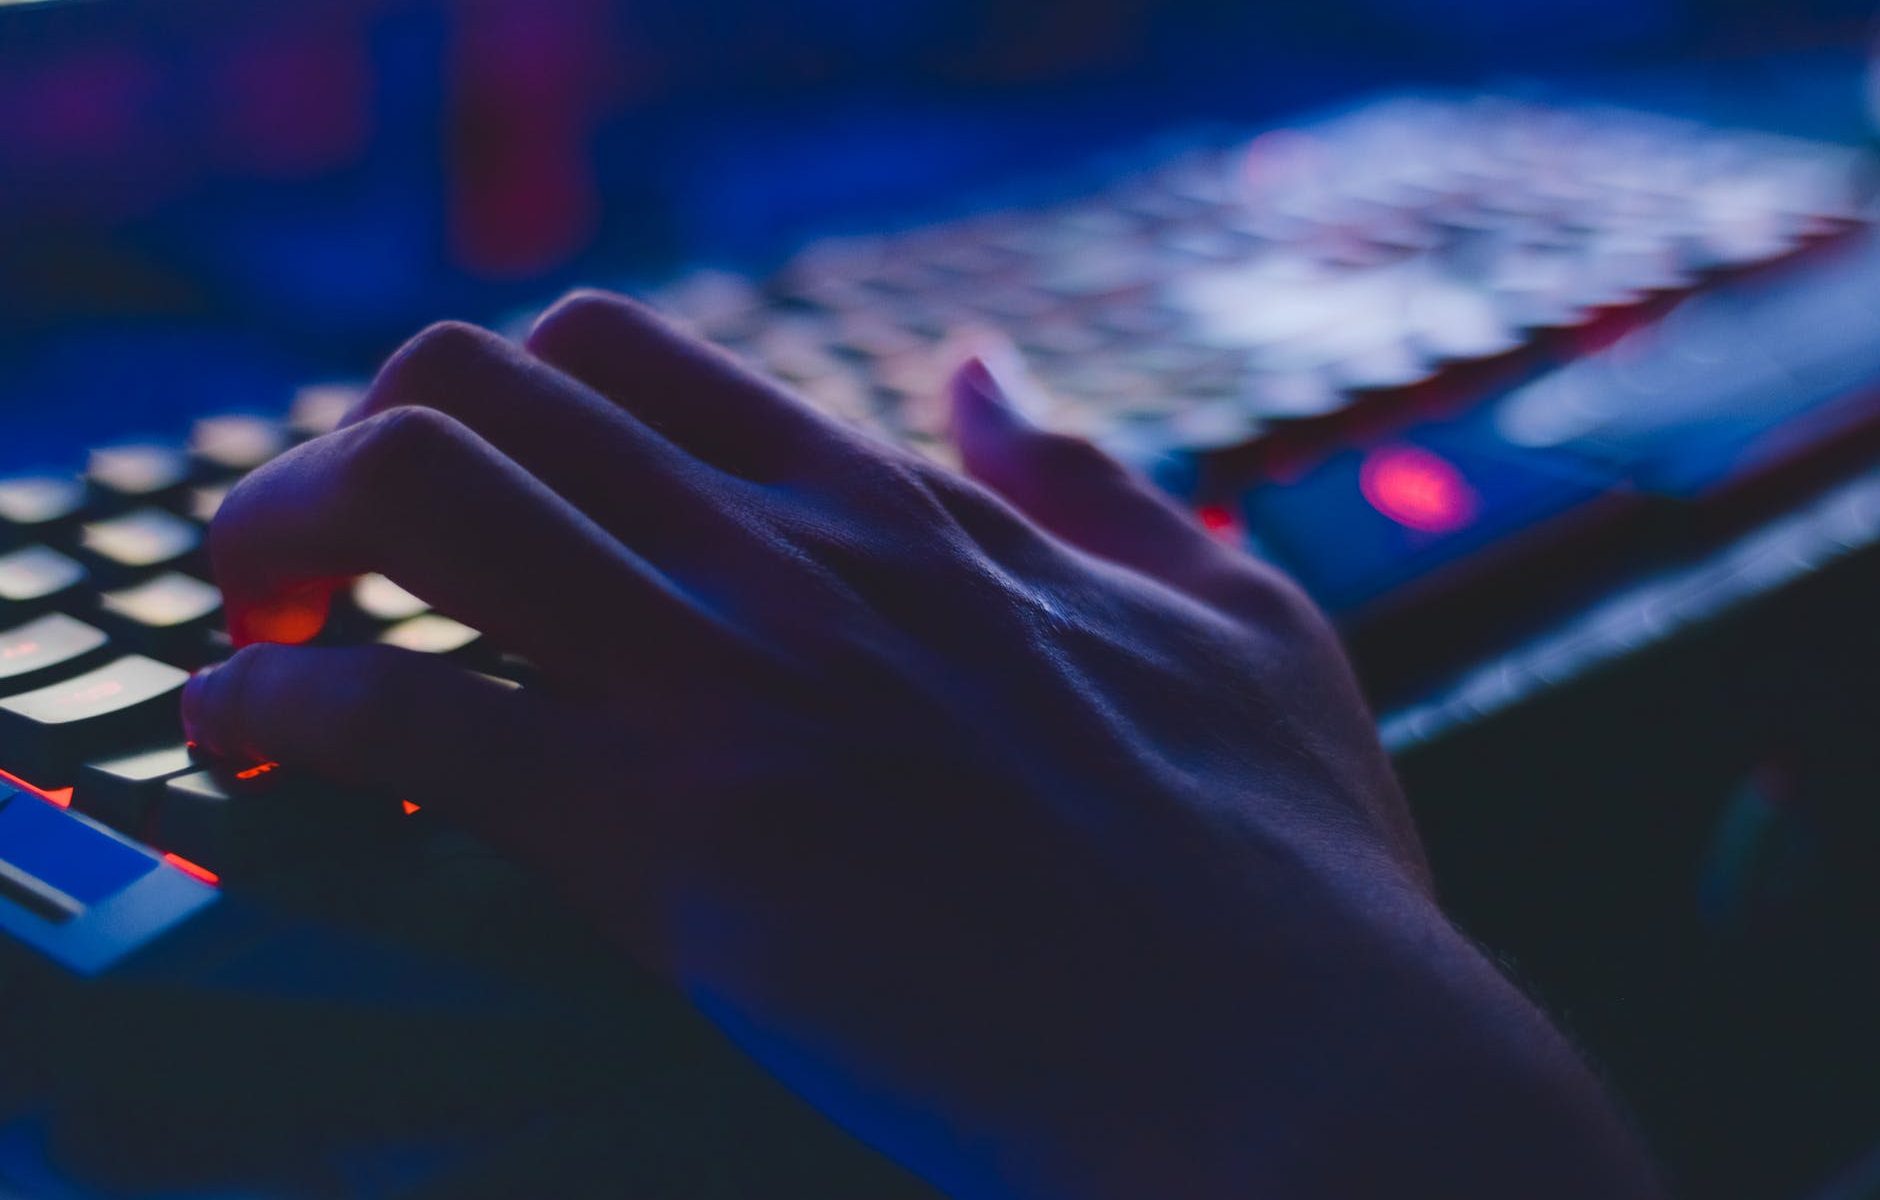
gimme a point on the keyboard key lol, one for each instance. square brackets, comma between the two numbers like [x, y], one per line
[41, 650]
[1215, 425]
[137, 474]
[379, 599]
[36, 578]
[144, 539]
[121, 791]
[220, 644]
[515, 669]
[74, 859]
[31, 506]
[45, 734]
[432, 633]
[166, 617]
[237, 443]
[34, 894]
[1367, 522]
[319, 408]
[247, 823]
[205, 502]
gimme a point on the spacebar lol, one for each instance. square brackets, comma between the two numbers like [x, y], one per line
[36, 895]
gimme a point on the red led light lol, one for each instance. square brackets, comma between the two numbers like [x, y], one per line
[59, 796]
[193, 870]
[258, 770]
[1219, 520]
[409, 807]
[1417, 489]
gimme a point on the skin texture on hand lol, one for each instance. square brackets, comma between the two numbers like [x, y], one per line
[1034, 836]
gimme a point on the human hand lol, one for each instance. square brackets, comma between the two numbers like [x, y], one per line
[1033, 835]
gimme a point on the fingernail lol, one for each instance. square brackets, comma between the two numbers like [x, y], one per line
[195, 705]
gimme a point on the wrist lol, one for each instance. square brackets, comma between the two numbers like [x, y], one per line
[1432, 1076]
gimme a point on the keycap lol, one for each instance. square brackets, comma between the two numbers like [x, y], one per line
[47, 733]
[380, 599]
[58, 865]
[220, 644]
[143, 539]
[32, 506]
[1215, 424]
[1291, 395]
[243, 822]
[236, 443]
[120, 791]
[318, 408]
[35, 578]
[515, 669]
[1367, 522]
[205, 502]
[165, 617]
[41, 650]
[139, 473]
[432, 633]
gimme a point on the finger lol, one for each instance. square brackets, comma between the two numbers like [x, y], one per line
[684, 387]
[1075, 490]
[552, 784]
[416, 496]
[376, 717]
[603, 460]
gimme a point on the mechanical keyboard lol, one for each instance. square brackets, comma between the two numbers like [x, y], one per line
[1350, 341]
[1456, 364]
[222, 973]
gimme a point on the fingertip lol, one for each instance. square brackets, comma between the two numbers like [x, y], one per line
[214, 715]
[291, 617]
[197, 718]
[986, 409]
[976, 389]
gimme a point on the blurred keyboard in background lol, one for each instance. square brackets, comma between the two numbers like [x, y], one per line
[1344, 336]
[1414, 353]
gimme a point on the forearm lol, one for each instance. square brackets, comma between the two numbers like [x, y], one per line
[1436, 1079]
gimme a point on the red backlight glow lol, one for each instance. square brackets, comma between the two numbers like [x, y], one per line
[59, 796]
[193, 870]
[1417, 489]
[1219, 520]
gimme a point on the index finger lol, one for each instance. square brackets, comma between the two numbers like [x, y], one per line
[415, 496]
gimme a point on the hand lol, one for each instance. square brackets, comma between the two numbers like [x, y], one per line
[1036, 837]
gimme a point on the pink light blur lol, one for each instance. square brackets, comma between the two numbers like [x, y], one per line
[1417, 489]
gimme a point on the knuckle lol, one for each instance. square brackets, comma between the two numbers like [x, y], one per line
[391, 448]
[442, 345]
[578, 318]
[432, 360]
